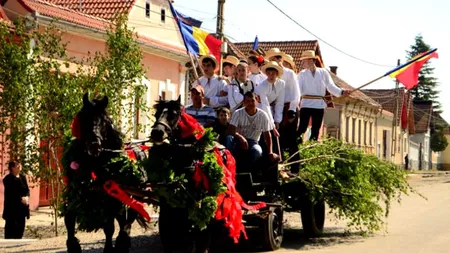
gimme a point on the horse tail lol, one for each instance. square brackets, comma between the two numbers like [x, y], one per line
[143, 222]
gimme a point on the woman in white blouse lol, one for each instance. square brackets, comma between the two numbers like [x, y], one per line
[271, 92]
[254, 64]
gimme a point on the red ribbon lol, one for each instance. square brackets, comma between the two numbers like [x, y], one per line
[200, 177]
[113, 189]
[230, 204]
[189, 126]
[75, 126]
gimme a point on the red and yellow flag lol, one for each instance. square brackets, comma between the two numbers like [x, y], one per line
[408, 73]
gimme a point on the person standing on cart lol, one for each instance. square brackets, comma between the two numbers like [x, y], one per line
[215, 89]
[289, 122]
[313, 83]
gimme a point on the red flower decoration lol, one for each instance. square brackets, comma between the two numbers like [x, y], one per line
[260, 59]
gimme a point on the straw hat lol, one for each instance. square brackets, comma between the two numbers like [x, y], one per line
[289, 59]
[231, 59]
[273, 65]
[308, 54]
[212, 57]
[274, 52]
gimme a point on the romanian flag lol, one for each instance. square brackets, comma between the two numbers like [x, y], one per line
[196, 40]
[408, 73]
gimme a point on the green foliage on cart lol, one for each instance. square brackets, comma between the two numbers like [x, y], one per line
[175, 185]
[357, 187]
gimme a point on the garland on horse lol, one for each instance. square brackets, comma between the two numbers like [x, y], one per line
[94, 165]
[194, 180]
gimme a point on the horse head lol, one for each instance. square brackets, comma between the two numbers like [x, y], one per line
[168, 114]
[96, 130]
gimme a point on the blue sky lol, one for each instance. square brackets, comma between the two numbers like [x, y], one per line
[375, 31]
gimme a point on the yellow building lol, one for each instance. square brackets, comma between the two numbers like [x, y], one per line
[395, 123]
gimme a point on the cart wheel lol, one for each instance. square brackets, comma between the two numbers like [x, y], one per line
[272, 229]
[313, 218]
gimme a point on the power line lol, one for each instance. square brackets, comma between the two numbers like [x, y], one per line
[304, 28]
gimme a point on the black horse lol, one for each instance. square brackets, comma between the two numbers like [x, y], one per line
[176, 230]
[87, 167]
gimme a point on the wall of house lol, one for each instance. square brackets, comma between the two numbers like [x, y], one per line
[423, 139]
[413, 155]
[358, 126]
[444, 159]
[384, 136]
[331, 120]
[150, 22]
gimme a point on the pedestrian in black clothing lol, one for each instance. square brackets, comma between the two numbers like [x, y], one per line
[16, 202]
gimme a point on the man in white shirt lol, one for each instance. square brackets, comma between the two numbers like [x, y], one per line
[247, 124]
[289, 123]
[313, 83]
[215, 88]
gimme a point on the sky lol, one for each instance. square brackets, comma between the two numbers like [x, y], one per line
[379, 32]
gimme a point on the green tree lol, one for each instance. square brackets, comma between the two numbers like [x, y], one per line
[427, 89]
[38, 101]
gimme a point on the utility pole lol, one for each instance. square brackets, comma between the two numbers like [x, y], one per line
[219, 30]
[396, 117]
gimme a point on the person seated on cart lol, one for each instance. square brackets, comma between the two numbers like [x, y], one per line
[222, 127]
[204, 114]
[247, 124]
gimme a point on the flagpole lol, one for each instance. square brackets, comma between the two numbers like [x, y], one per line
[392, 71]
[182, 37]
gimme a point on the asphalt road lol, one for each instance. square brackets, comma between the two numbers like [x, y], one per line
[414, 226]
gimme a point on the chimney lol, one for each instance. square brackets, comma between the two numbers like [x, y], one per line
[333, 69]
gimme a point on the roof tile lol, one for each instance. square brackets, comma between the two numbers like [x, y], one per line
[294, 48]
[105, 9]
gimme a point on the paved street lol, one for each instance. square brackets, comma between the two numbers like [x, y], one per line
[415, 226]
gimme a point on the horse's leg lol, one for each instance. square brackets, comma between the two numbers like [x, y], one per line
[108, 229]
[202, 240]
[123, 240]
[72, 243]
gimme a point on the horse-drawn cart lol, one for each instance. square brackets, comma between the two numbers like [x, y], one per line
[265, 184]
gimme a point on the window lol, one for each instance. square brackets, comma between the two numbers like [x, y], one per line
[370, 134]
[365, 132]
[359, 132]
[353, 130]
[147, 9]
[347, 129]
[163, 15]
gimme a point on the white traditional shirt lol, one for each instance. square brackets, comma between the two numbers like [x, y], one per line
[316, 86]
[212, 87]
[234, 95]
[292, 93]
[272, 96]
[257, 78]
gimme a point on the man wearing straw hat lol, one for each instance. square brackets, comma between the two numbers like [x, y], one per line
[288, 125]
[313, 83]
[215, 90]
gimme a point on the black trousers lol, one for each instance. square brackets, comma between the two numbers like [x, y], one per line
[317, 117]
[14, 228]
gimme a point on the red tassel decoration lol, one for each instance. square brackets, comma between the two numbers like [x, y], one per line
[230, 203]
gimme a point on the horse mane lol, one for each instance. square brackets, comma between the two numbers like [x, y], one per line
[114, 137]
